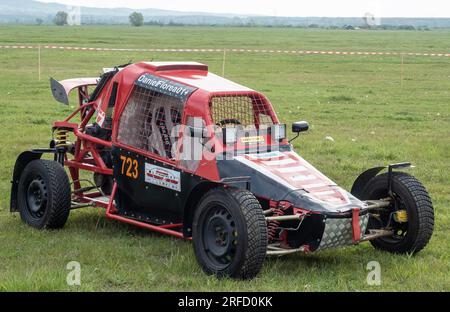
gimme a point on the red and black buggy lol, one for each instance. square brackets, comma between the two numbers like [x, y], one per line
[179, 150]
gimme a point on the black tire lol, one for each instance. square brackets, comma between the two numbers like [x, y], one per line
[44, 195]
[239, 244]
[410, 195]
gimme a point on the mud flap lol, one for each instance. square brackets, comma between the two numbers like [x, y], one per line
[21, 162]
[363, 178]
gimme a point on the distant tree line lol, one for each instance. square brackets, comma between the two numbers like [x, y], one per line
[311, 26]
[137, 19]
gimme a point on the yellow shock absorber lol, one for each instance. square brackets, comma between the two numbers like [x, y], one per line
[61, 136]
[401, 216]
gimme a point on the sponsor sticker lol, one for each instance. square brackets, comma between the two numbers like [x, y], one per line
[100, 117]
[252, 139]
[165, 86]
[163, 177]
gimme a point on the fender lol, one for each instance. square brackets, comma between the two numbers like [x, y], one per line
[363, 178]
[196, 193]
[191, 202]
[22, 161]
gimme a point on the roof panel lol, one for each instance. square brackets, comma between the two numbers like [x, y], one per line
[209, 82]
[193, 74]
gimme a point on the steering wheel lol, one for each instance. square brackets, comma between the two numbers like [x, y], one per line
[233, 121]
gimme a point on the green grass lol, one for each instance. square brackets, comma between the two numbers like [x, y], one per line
[374, 116]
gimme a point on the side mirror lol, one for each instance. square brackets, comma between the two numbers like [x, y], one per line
[300, 126]
[297, 127]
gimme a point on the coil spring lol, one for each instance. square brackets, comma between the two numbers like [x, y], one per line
[272, 226]
[61, 138]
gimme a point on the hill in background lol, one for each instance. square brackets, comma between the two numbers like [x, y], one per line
[28, 11]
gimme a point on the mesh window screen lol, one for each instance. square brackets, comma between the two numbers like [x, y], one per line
[148, 119]
[110, 110]
[245, 110]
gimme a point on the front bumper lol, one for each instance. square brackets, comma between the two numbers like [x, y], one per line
[340, 232]
[309, 232]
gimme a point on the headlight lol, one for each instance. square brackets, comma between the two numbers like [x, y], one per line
[229, 135]
[278, 131]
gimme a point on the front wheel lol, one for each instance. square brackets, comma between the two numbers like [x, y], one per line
[229, 233]
[410, 215]
[44, 195]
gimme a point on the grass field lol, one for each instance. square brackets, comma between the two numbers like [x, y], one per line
[377, 110]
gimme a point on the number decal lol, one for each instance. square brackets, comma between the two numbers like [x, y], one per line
[123, 158]
[129, 167]
[129, 162]
[134, 174]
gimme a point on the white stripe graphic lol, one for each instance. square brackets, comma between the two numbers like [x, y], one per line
[279, 162]
[268, 155]
[312, 168]
[291, 169]
[264, 171]
[324, 193]
[303, 177]
[306, 186]
[332, 199]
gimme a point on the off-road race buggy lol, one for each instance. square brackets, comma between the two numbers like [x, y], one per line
[176, 149]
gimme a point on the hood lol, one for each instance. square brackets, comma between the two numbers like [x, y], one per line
[284, 175]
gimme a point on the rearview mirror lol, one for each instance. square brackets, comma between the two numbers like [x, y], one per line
[300, 126]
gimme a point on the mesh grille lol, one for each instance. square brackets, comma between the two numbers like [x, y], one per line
[148, 119]
[245, 110]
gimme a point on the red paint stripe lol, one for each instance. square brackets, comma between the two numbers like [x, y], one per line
[355, 225]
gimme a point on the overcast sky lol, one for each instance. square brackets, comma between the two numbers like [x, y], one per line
[334, 8]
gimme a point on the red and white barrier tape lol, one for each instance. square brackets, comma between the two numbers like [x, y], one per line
[53, 47]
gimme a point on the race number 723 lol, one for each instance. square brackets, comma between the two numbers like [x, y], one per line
[129, 167]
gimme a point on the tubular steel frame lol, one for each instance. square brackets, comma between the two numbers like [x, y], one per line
[86, 157]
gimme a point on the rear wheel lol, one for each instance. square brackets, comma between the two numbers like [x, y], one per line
[44, 195]
[410, 216]
[230, 233]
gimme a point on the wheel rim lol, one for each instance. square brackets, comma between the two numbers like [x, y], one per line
[386, 220]
[37, 197]
[400, 229]
[219, 237]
